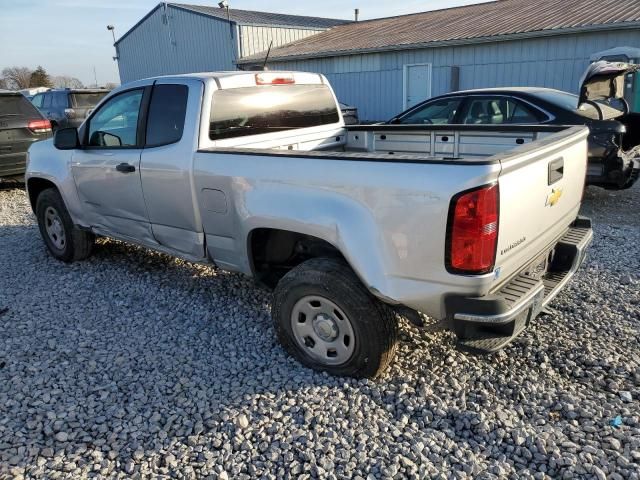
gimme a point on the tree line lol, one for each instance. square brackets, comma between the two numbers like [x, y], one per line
[19, 78]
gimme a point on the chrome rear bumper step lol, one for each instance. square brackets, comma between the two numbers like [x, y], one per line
[487, 324]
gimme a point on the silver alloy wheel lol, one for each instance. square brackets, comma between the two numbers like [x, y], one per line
[55, 229]
[322, 330]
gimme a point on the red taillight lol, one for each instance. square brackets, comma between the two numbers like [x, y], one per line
[473, 231]
[274, 79]
[39, 126]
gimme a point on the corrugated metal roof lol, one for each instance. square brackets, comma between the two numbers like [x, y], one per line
[461, 24]
[262, 18]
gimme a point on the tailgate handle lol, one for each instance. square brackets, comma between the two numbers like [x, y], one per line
[556, 170]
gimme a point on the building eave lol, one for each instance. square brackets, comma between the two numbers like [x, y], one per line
[138, 23]
[273, 25]
[447, 43]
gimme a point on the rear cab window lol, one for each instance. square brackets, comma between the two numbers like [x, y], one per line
[238, 112]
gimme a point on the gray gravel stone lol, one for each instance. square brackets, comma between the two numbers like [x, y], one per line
[626, 397]
[133, 364]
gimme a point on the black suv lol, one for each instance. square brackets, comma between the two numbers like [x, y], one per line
[21, 124]
[68, 107]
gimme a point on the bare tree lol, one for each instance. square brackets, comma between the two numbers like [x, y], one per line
[17, 78]
[110, 85]
[65, 81]
[3, 84]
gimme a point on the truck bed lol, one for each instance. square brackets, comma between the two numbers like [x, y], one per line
[335, 177]
[402, 143]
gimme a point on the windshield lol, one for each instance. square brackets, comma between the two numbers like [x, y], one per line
[569, 101]
[87, 100]
[238, 112]
[16, 105]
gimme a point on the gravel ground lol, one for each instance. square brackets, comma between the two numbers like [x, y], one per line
[135, 364]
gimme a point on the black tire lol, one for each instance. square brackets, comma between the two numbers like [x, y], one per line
[77, 243]
[374, 324]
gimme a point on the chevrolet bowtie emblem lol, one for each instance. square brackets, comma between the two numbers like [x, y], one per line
[553, 197]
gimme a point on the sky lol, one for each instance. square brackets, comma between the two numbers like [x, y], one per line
[70, 37]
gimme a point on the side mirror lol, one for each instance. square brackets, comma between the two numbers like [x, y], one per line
[66, 139]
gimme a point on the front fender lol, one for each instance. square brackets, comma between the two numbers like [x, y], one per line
[46, 162]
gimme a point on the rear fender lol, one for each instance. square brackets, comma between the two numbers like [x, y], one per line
[338, 220]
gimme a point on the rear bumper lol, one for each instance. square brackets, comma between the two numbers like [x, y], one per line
[489, 323]
[13, 164]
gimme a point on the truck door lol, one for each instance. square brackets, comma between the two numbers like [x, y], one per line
[166, 168]
[107, 168]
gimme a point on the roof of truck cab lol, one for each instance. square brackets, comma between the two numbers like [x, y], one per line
[222, 74]
[227, 74]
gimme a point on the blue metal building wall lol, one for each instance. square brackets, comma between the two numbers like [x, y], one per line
[374, 82]
[185, 42]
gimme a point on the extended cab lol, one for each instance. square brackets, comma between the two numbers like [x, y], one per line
[256, 173]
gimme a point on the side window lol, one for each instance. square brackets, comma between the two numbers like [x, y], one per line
[37, 100]
[60, 100]
[486, 111]
[436, 113]
[116, 123]
[519, 113]
[498, 110]
[46, 101]
[167, 110]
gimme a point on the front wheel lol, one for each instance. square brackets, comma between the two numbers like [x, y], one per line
[327, 320]
[63, 239]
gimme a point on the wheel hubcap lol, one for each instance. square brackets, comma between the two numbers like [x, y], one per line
[322, 330]
[55, 230]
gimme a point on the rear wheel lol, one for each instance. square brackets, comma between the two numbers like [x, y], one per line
[327, 320]
[63, 239]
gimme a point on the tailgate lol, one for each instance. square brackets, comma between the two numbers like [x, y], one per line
[541, 188]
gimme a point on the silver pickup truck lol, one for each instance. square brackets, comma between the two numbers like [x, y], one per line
[476, 226]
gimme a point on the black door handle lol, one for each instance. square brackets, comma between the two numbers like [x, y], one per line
[126, 168]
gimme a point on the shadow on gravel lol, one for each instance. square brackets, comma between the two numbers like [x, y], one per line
[10, 184]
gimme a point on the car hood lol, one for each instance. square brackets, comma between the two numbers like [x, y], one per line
[605, 80]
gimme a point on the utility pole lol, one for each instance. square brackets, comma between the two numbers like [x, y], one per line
[95, 76]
